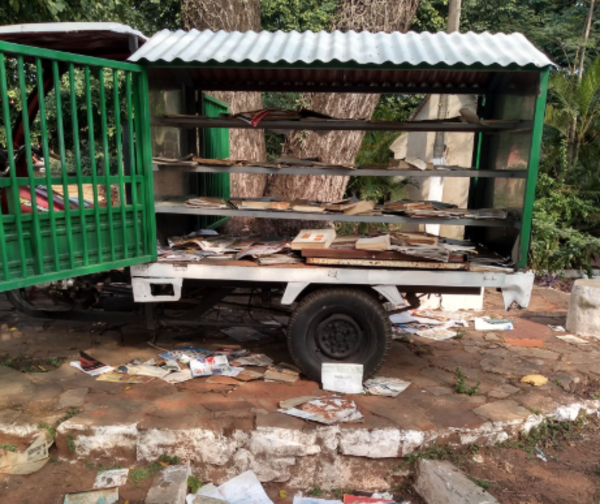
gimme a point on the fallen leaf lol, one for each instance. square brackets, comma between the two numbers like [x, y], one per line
[535, 379]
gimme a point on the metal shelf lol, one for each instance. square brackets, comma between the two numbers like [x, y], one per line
[347, 125]
[364, 172]
[176, 205]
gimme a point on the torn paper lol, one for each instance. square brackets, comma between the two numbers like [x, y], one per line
[112, 478]
[340, 377]
[327, 410]
[389, 387]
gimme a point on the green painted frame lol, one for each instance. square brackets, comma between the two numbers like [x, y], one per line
[532, 169]
[49, 244]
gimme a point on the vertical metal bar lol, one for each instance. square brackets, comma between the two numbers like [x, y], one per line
[46, 151]
[146, 147]
[139, 162]
[93, 168]
[77, 155]
[63, 164]
[133, 170]
[122, 197]
[36, 236]
[11, 163]
[532, 168]
[111, 231]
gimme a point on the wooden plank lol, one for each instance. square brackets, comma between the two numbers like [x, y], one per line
[377, 255]
[359, 254]
[369, 263]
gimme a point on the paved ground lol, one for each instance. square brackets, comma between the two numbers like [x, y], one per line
[225, 429]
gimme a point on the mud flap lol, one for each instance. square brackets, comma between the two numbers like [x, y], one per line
[517, 289]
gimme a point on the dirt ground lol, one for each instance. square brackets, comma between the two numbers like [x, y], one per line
[511, 472]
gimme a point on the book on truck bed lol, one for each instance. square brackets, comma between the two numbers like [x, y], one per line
[314, 239]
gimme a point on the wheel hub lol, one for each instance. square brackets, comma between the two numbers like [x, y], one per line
[338, 336]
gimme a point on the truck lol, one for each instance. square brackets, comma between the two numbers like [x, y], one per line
[109, 135]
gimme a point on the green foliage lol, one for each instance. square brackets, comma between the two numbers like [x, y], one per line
[338, 493]
[194, 484]
[565, 227]
[432, 16]
[481, 483]
[550, 434]
[315, 491]
[375, 147]
[140, 474]
[102, 468]
[147, 16]
[71, 443]
[435, 451]
[8, 447]
[56, 362]
[89, 465]
[461, 385]
[168, 459]
[50, 428]
[554, 26]
[299, 15]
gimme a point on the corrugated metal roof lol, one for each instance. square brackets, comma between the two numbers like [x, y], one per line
[439, 50]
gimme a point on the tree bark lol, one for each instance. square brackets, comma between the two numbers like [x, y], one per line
[337, 146]
[232, 15]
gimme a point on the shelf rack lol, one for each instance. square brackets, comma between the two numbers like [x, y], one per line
[360, 172]
[183, 121]
[176, 205]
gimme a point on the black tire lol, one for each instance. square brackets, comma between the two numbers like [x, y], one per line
[339, 325]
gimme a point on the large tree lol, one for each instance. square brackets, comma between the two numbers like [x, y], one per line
[244, 144]
[338, 146]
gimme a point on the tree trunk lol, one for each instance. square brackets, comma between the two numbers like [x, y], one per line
[337, 146]
[231, 15]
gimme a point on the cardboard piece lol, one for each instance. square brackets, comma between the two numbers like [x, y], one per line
[29, 461]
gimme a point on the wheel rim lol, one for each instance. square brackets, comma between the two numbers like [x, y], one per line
[338, 336]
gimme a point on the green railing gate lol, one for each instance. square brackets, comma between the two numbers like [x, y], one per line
[94, 123]
[215, 145]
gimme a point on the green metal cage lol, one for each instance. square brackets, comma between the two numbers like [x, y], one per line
[99, 135]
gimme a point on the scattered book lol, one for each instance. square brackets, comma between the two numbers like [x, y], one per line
[314, 239]
[381, 242]
[360, 207]
[344, 242]
[264, 205]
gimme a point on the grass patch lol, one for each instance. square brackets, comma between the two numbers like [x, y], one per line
[461, 385]
[71, 443]
[140, 474]
[481, 483]
[437, 451]
[550, 434]
[167, 460]
[102, 468]
[315, 491]
[8, 447]
[194, 484]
